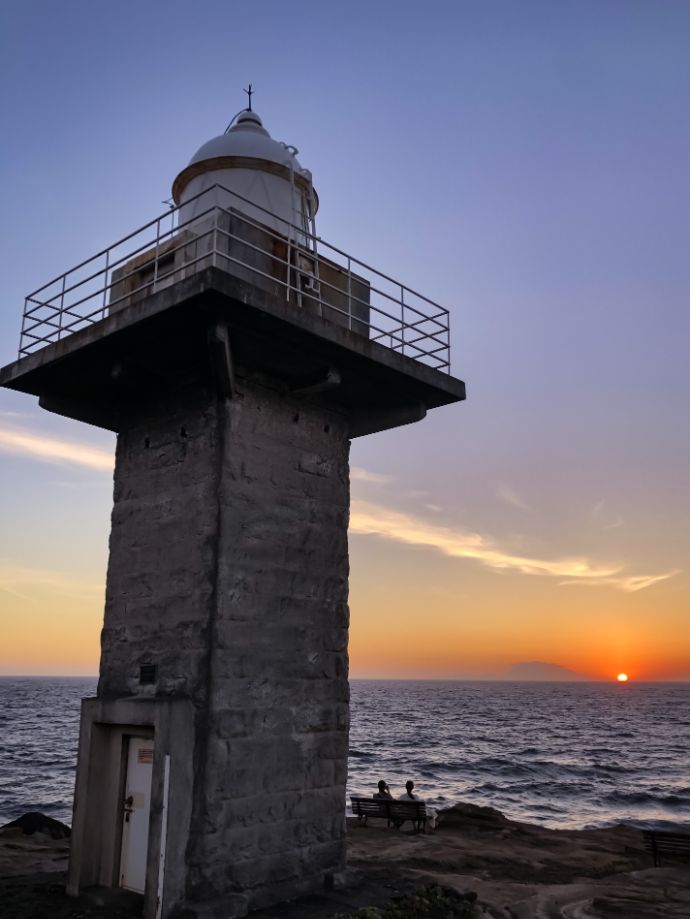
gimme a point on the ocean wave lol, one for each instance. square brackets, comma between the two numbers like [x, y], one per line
[362, 755]
[647, 798]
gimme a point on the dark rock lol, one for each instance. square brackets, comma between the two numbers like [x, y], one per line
[33, 822]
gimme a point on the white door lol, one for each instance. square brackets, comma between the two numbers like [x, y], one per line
[137, 805]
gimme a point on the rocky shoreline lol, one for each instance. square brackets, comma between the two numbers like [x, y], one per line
[516, 871]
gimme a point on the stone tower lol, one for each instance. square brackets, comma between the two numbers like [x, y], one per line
[235, 354]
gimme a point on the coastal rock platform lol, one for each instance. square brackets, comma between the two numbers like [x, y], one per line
[523, 871]
[517, 870]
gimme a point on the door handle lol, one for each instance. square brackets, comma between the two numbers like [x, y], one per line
[129, 807]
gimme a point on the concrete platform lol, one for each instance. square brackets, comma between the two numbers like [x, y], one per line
[161, 342]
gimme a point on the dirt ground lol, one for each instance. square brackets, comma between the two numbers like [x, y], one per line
[517, 870]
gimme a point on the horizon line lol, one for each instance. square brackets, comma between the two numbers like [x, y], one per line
[391, 679]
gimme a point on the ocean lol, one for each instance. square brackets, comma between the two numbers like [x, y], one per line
[563, 755]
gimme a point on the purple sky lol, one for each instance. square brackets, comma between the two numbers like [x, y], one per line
[524, 164]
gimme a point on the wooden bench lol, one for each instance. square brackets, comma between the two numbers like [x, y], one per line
[395, 813]
[659, 843]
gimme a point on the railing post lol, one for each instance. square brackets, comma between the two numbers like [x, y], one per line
[105, 280]
[447, 343]
[349, 292]
[155, 260]
[62, 306]
[402, 317]
[21, 334]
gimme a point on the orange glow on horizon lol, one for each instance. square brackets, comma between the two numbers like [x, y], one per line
[407, 622]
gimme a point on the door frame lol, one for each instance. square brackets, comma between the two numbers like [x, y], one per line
[99, 796]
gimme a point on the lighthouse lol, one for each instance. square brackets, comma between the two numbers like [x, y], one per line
[236, 354]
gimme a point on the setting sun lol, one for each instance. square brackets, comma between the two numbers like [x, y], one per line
[622, 677]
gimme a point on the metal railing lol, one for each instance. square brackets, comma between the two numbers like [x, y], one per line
[241, 238]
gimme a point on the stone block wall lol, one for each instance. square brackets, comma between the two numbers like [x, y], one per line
[160, 583]
[229, 570]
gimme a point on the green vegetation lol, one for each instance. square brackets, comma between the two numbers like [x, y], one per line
[432, 902]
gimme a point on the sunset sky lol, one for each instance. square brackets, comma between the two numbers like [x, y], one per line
[524, 164]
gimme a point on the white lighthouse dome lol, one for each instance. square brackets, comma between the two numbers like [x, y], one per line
[245, 164]
[247, 137]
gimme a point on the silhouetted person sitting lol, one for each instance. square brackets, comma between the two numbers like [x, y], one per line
[431, 812]
[409, 793]
[384, 791]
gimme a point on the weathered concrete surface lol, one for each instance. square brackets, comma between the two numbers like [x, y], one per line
[229, 571]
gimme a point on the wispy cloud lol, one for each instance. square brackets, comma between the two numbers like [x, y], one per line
[357, 474]
[52, 450]
[618, 522]
[598, 513]
[510, 496]
[374, 519]
[632, 583]
[21, 581]
[365, 518]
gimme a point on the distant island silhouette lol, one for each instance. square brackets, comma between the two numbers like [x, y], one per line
[540, 670]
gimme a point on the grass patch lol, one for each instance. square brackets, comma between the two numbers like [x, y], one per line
[431, 902]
